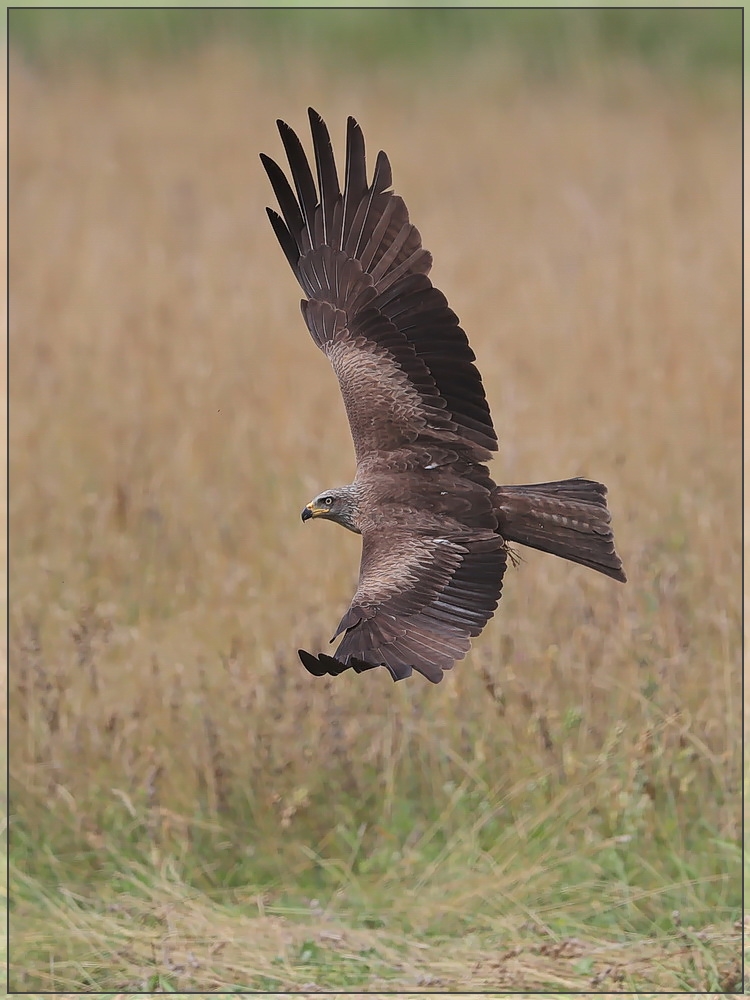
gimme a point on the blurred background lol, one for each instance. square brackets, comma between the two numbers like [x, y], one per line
[576, 175]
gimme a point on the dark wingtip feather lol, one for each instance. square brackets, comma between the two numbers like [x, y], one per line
[311, 663]
[322, 664]
[301, 174]
[285, 238]
[328, 182]
[355, 175]
[383, 176]
[284, 194]
[268, 164]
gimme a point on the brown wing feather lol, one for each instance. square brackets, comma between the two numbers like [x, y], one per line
[357, 250]
[419, 602]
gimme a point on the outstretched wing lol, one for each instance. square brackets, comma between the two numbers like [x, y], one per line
[403, 363]
[419, 602]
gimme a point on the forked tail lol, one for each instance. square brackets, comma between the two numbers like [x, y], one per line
[569, 519]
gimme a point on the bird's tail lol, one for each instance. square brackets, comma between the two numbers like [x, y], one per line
[569, 519]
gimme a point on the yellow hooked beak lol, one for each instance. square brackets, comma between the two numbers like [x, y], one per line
[310, 511]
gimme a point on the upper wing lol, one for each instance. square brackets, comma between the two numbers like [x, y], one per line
[403, 363]
[419, 602]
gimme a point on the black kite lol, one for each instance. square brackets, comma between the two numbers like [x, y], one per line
[434, 525]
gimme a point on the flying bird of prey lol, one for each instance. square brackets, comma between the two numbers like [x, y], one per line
[435, 527]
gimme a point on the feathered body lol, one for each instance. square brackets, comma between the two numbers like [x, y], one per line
[434, 525]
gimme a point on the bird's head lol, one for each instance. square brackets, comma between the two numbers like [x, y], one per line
[338, 505]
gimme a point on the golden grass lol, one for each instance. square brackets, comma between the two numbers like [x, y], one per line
[170, 417]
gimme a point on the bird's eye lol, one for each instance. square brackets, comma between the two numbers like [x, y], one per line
[328, 501]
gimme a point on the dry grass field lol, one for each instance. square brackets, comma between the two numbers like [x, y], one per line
[189, 808]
